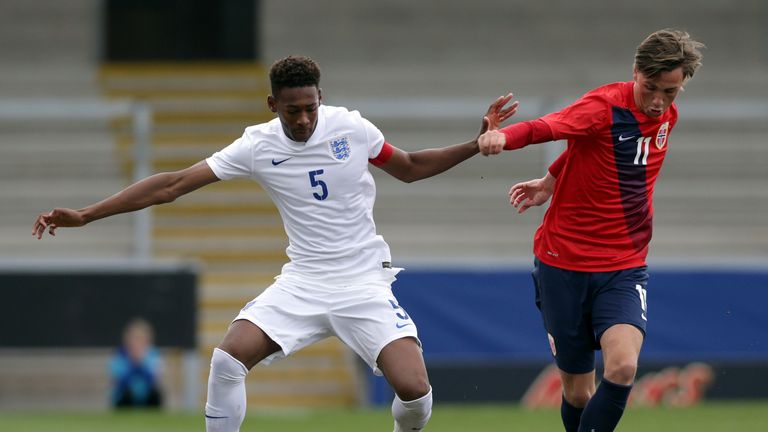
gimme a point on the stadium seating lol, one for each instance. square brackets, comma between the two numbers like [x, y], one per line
[710, 201]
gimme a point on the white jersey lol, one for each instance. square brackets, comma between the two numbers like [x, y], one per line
[322, 188]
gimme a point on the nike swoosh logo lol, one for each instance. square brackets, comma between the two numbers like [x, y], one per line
[398, 325]
[278, 162]
[621, 139]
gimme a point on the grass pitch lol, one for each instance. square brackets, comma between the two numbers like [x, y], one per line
[715, 417]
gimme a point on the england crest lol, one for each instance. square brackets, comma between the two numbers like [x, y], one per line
[340, 148]
[661, 136]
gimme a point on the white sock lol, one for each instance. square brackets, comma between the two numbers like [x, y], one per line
[225, 408]
[412, 415]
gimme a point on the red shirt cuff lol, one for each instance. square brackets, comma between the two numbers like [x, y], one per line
[521, 134]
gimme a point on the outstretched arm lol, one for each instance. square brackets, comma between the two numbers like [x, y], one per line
[157, 189]
[514, 137]
[413, 166]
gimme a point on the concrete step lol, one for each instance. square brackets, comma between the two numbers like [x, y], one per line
[70, 379]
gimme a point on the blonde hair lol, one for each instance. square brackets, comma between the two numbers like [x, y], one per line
[666, 50]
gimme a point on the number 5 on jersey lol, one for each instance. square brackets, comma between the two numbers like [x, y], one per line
[315, 182]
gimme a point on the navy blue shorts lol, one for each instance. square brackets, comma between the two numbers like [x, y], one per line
[577, 307]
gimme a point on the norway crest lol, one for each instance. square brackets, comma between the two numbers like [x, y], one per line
[661, 135]
[340, 148]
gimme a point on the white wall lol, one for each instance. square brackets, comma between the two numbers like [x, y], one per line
[459, 48]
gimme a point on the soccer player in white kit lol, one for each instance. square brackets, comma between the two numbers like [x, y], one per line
[313, 162]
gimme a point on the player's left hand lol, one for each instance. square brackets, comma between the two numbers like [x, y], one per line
[531, 193]
[497, 114]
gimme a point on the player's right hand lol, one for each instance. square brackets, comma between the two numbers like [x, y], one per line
[491, 142]
[58, 217]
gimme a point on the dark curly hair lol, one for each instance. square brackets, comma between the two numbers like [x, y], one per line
[293, 71]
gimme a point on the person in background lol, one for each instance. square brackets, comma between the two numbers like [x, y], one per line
[136, 369]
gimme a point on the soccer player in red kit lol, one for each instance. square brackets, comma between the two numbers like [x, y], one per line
[590, 271]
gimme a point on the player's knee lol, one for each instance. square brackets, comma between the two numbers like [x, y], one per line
[413, 389]
[232, 351]
[577, 397]
[622, 372]
[225, 368]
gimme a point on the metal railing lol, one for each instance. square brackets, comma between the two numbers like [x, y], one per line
[95, 109]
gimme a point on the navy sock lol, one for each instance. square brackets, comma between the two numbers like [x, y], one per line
[571, 416]
[604, 410]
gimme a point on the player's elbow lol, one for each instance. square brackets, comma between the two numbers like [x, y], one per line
[166, 196]
[170, 190]
[414, 173]
[405, 175]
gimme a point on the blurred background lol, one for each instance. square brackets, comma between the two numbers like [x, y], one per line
[95, 94]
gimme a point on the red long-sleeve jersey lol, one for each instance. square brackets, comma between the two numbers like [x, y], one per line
[601, 212]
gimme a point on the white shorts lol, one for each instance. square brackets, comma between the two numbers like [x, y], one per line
[296, 313]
